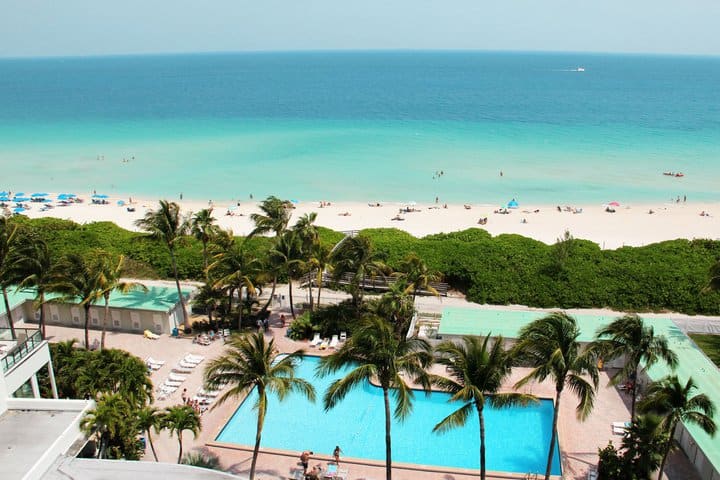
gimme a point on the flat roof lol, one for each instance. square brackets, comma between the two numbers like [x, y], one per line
[92, 469]
[691, 360]
[25, 435]
[157, 298]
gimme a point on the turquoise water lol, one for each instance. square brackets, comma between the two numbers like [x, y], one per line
[517, 439]
[365, 126]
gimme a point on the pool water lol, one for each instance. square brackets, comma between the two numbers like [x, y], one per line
[517, 439]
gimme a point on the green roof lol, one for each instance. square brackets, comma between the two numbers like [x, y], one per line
[156, 299]
[691, 360]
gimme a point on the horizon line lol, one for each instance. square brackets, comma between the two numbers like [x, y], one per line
[354, 50]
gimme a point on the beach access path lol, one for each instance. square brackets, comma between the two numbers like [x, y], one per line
[630, 225]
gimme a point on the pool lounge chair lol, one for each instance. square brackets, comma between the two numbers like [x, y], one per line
[185, 364]
[150, 335]
[324, 345]
[172, 383]
[177, 378]
[316, 340]
[181, 369]
[343, 336]
[207, 393]
[334, 342]
[619, 428]
[189, 358]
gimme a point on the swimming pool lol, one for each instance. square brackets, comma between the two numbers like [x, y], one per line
[517, 439]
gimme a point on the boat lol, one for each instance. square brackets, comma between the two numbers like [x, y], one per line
[580, 69]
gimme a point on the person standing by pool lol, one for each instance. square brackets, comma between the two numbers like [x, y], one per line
[305, 459]
[336, 454]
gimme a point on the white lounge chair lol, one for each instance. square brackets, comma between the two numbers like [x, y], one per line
[152, 361]
[184, 364]
[316, 340]
[619, 428]
[167, 389]
[341, 474]
[334, 341]
[194, 358]
[207, 393]
[181, 369]
[177, 378]
[343, 336]
[172, 383]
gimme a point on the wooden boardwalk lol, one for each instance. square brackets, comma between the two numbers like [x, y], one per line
[376, 282]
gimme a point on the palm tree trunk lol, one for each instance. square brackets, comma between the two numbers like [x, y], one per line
[205, 257]
[180, 443]
[320, 279]
[482, 440]
[240, 307]
[634, 395]
[86, 309]
[292, 308]
[388, 440]
[152, 447]
[258, 432]
[9, 313]
[105, 319]
[272, 292]
[667, 451]
[42, 313]
[186, 321]
[553, 436]
[310, 293]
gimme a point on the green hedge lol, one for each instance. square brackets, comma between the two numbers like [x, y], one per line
[507, 269]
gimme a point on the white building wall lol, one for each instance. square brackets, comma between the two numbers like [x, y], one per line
[20, 373]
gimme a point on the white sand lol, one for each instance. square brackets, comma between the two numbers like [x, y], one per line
[629, 225]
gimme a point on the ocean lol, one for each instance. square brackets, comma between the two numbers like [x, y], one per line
[365, 126]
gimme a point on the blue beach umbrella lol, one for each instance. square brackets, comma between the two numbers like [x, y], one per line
[4, 198]
[99, 195]
[19, 194]
[513, 204]
[20, 199]
[18, 210]
[66, 196]
[4, 194]
[39, 195]
[47, 200]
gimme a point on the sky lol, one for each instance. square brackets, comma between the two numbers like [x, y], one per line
[97, 27]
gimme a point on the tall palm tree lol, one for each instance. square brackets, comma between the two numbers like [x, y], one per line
[39, 272]
[397, 306]
[168, 225]
[252, 362]
[178, 419]
[418, 276]
[110, 280]
[106, 420]
[80, 282]
[274, 218]
[203, 228]
[307, 233]
[477, 371]
[150, 418]
[234, 270]
[10, 246]
[318, 262]
[287, 255]
[675, 402]
[550, 345]
[629, 337]
[375, 353]
[356, 255]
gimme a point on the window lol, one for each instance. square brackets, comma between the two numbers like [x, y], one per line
[136, 325]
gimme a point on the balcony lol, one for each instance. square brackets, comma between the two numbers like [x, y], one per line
[12, 351]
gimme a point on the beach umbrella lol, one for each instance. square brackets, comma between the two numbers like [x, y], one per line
[4, 198]
[19, 194]
[232, 208]
[513, 204]
[99, 195]
[20, 199]
[412, 204]
[4, 194]
[47, 200]
[18, 210]
[121, 203]
[39, 195]
[614, 204]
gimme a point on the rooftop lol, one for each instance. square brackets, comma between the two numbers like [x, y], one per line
[92, 469]
[691, 360]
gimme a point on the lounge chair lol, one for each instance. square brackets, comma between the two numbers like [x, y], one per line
[194, 358]
[343, 336]
[324, 345]
[172, 383]
[180, 369]
[208, 393]
[341, 474]
[619, 428]
[185, 364]
[334, 341]
[177, 378]
[167, 390]
[150, 335]
[154, 364]
[316, 340]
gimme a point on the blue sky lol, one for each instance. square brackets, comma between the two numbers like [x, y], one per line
[97, 27]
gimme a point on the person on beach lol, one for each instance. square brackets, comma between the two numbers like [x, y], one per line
[180, 195]
[305, 460]
[336, 454]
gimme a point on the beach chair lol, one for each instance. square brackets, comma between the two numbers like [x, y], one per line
[194, 358]
[183, 364]
[341, 474]
[316, 340]
[180, 369]
[172, 383]
[167, 390]
[189, 359]
[334, 342]
[343, 336]
[150, 335]
[207, 393]
[619, 428]
[177, 378]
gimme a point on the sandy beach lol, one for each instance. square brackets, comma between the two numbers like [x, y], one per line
[629, 225]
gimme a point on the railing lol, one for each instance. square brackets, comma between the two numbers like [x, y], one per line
[26, 341]
[370, 282]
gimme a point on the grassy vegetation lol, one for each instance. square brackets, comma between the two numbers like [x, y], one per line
[710, 344]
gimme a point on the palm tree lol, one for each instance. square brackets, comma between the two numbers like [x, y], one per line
[356, 255]
[418, 276]
[674, 401]
[397, 306]
[203, 228]
[39, 273]
[274, 218]
[318, 262]
[630, 338]
[169, 225]
[150, 418]
[643, 444]
[80, 282]
[110, 280]
[550, 345]
[252, 362]
[106, 420]
[307, 233]
[713, 284]
[375, 353]
[477, 372]
[178, 419]
[287, 256]
[235, 269]
[202, 460]
[10, 246]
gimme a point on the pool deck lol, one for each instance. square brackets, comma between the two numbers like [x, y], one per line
[579, 442]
